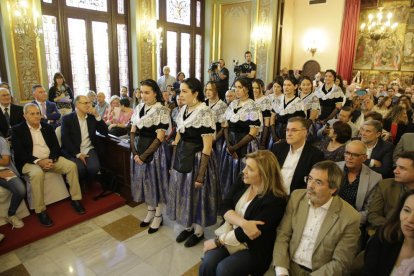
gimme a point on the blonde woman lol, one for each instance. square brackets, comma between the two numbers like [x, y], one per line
[252, 211]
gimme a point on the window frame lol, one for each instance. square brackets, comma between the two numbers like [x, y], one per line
[3, 69]
[62, 12]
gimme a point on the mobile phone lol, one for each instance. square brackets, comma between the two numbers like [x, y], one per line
[361, 92]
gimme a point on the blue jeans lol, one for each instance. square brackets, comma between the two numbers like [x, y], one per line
[219, 262]
[18, 191]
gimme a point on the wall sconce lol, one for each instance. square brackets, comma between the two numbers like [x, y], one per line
[312, 48]
[26, 20]
[150, 33]
[262, 34]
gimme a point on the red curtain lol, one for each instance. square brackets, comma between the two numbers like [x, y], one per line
[348, 38]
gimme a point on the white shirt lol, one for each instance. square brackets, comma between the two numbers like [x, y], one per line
[41, 111]
[86, 144]
[289, 167]
[4, 107]
[40, 148]
[303, 254]
[164, 81]
[369, 152]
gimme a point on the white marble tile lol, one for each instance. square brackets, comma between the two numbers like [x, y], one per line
[103, 254]
[110, 217]
[68, 262]
[139, 211]
[146, 245]
[42, 265]
[175, 259]
[8, 261]
[143, 269]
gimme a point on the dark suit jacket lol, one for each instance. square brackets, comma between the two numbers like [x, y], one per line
[52, 113]
[382, 152]
[267, 208]
[16, 117]
[310, 156]
[71, 133]
[23, 144]
[380, 257]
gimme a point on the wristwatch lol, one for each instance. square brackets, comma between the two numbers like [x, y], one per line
[218, 242]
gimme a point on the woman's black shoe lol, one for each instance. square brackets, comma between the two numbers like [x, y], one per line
[145, 224]
[193, 240]
[153, 230]
[184, 235]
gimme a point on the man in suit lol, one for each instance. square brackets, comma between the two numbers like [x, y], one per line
[319, 232]
[49, 112]
[359, 180]
[10, 114]
[79, 137]
[36, 151]
[406, 143]
[379, 153]
[296, 156]
[387, 193]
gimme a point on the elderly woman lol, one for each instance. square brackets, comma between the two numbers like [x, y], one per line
[252, 211]
[119, 125]
[391, 250]
[334, 148]
[112, 112]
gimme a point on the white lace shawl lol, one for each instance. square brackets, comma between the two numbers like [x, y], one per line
[336, 92]
[264, 103]
[311, 101]
[157, 114]
[219, 109]
[202, 116]
[248, 112]
[292, 107]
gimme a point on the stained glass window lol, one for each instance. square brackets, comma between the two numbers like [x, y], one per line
[172, 52]
[198, 13]
[51, 41]
[121, 6]
[198, 57]
[185, 53]
[97, 5]
[48, 1]
[179, 11]
[122, 54]
[101, 56]
[78, 55]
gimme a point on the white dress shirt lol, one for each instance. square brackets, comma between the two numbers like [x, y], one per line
[369, 152]
[304, 252]
[40, 148]
[86, 144]
[289, 167]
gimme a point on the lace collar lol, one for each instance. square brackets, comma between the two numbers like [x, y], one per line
[157, 114]
[264, 103]
[311, 101]
[202, 116]
[336, 92]
[247, 112]
[292, 107]
[219, 109]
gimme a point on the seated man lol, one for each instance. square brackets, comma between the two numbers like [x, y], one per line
[36, 151]
[379, 153]
[406, 143]
[79, 137]
[50, 113]
[344, 116]
[319, 232]
[9, 179]
[10, 114]
[387, 193]
[296, 156]
[359, 180]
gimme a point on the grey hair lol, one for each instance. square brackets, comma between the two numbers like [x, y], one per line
[359, 143]
[26, 107]
[113, 98]
[376, 124]
[4, 89]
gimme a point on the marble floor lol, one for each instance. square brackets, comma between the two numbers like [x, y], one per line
[111, 244]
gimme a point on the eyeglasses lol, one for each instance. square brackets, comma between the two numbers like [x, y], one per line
[308, 179]
[84, 102]
[294, 130]
[353, 155]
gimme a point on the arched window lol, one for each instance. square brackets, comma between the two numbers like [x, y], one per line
[183, 34]
[87, 40]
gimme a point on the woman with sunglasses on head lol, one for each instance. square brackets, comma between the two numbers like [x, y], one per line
[193, 187]
[150, 170]
[242, 126]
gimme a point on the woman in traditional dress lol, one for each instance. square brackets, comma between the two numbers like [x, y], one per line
[243, 123]
[289, 106]
[331, 97]
[193, 188]
[264, 103]
[219, 108]
[150, 170]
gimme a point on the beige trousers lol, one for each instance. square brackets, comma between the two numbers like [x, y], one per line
[37, 178]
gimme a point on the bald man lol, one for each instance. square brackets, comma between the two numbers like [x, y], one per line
[359, 180]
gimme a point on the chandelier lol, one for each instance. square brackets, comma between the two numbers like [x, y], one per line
[26, 20]
[379, 26]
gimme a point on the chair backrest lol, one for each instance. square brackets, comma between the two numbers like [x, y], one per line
[59, 135]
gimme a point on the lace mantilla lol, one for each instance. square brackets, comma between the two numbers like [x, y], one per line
[202, 116]
[264, 103]
[336, 92]
[157, 114]
[294, 106]
[310, 101]
[219, 109]
[248, 112]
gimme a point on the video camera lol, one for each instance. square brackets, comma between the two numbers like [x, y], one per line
[213, 66]
[237, 68]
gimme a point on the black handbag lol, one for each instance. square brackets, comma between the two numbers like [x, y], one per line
[184, 156]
